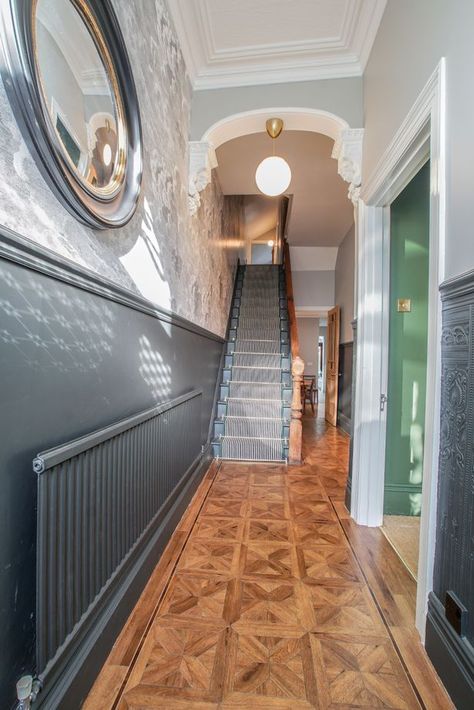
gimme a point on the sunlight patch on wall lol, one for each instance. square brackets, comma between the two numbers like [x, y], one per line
[143, 263]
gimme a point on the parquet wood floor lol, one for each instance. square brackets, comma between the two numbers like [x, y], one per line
[269, 596]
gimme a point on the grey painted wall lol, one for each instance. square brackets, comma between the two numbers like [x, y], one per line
[313, 288]
[412, 38]
[163, 246]
[344, 284]
[308, 333]
[342, 97]
[71, 362]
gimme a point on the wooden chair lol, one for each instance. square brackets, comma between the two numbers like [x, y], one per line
[309, 392]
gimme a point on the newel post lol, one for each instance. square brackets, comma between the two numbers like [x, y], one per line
[296, 425]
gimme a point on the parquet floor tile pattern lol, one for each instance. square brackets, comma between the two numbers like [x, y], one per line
[267, 606]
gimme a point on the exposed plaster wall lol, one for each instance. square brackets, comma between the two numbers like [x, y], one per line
[180, 262]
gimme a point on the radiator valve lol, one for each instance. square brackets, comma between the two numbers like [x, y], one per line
[27, 691]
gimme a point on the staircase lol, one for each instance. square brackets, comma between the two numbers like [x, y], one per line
[254, 407]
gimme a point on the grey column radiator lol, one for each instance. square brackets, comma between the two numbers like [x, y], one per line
[98, 498]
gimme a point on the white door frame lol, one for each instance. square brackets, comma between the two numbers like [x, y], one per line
[421, 136]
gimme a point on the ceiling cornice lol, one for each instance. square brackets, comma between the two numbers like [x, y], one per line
[367, 29]
[209, 67]
[284, 73]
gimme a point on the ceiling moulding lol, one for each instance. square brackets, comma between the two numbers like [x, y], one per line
[348, 153]
[338, 55]
[282, 74]
[202, 159]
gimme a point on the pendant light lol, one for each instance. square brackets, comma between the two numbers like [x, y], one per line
[273, 175]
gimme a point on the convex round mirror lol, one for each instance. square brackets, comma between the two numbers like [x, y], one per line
[70, 83]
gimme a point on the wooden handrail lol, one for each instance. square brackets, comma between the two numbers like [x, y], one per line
[297, 367]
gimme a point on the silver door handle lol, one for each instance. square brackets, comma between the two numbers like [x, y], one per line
[383, 402]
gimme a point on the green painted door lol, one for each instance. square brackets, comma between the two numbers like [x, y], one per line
[408, 334]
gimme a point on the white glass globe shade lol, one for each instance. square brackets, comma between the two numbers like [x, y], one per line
[107, 154]
[273, 176]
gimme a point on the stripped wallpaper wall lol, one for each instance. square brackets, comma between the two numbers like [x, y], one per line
[163, 248]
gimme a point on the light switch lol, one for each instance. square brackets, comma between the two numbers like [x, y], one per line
[404, 305]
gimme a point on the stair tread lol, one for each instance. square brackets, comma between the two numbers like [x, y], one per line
[253, 399]
[253, 438]
[256, 367]
[265, 383]
[236, 416]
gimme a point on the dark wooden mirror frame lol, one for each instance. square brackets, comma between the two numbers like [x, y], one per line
[19, 73]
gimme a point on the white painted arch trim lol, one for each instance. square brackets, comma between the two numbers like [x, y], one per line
[347, 142]
[294, 118]
[421, 135]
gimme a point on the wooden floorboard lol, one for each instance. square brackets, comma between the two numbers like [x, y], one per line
[270, 596]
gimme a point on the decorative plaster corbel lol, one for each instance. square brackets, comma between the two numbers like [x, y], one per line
[348, 153]
[202, 159]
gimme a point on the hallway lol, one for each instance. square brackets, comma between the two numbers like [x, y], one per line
[267, 596]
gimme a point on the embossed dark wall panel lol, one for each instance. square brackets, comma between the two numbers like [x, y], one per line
[454, 567]
[452, 652]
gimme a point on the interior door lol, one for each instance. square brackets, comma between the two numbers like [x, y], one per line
[332, 365]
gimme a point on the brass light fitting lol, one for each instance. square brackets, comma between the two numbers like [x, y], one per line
[274, 127]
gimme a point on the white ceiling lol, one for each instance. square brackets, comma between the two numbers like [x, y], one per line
[244, 42]
[321, 213]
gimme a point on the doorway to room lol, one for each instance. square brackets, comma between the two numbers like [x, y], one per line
[407, 366]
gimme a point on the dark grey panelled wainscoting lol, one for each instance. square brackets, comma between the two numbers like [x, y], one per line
[450, 622]
[118, 394]
[347, 497]
[344, 400]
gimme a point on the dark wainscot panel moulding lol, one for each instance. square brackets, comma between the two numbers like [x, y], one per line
[21, 250]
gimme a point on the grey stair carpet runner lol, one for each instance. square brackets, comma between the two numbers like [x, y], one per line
[253, 422]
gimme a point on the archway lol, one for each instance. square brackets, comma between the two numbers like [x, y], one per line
[347, 143]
